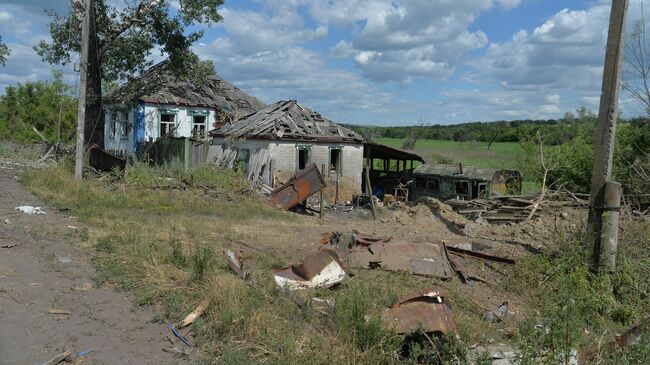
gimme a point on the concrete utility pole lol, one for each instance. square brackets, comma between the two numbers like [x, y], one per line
[89, 12]
[605, 200]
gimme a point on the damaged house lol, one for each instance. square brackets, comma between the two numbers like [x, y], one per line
[274, 143]
[157, 104]
[463, 182]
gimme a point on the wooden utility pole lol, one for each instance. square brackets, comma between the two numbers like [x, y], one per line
[89, 13]
[604, 202]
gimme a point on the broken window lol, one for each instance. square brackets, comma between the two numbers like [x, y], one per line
[462, 188]
[482, 190]
[420, 182]
[303, 157]
[112, 125]
[433, 184]
[198, 126]
[167, 124]
[335, 160]
[124, 123]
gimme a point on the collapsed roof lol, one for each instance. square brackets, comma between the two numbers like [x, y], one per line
[159, 85]
[287, 120]
[468, 172]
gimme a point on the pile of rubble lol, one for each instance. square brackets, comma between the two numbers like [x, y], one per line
[499, 209]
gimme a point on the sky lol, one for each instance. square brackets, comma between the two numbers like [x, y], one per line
[386, 62]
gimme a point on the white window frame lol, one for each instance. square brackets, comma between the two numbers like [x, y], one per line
[171, 126]
[124, 125]
[204, 124]
[112, 124]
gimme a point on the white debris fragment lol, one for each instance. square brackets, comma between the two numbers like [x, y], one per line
[28, 209]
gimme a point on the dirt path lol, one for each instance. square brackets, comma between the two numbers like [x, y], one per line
[48, 268]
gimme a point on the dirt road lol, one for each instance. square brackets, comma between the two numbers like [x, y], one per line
[49, 268]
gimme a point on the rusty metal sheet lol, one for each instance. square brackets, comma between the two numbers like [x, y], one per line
[105, 161]
[321, 269]
[427, 309]
[305, 183]
[419, 258]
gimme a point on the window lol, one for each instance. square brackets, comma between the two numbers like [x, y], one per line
[303, 157]
[198, 126]
[124, 125]
[433, 184]
[482, 190]
[167, 124]
[335, 160]
[462, 188]
[243, 156]
[112, 125]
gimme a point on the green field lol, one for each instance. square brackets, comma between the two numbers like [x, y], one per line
[501, 155]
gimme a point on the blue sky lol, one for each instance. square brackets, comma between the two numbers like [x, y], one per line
[387, 62]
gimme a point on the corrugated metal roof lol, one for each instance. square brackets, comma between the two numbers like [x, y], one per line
[287, 120]
[469, 172]
[159, 85]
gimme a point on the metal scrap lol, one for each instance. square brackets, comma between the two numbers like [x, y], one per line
[498, 314]
[319, 270]
[105, 161]
[426, 309]
[234, 264]
[419, 258]
[304, 184]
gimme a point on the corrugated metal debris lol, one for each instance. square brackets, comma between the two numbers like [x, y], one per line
[427, 309]
[105, 161]
[319, 270]
[419, 258]
[305, 183]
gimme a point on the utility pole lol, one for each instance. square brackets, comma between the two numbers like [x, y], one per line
[89, 11]
[605, 199]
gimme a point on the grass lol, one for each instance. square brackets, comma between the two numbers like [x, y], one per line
[501, 155]
[163, 243]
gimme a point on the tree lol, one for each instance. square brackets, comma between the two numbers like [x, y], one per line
[4, 52]
[636, 73]
[122, 40]
[47, 106]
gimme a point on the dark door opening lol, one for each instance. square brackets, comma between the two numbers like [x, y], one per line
[335, 160]
[303, 158]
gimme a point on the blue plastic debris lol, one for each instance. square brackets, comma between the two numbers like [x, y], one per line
[184, 339]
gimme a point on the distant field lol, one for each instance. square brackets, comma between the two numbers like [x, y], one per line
[500, 154]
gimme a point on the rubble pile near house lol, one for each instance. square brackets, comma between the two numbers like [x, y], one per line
[499, 209]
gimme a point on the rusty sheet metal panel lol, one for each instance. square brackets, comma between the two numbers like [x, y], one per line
[305, 183]
[428, 309]
[105, 161]
[419, 258]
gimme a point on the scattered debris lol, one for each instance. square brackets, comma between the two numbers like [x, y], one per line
[419, 258]
[105, 161]
[500, 354]
[59, 314]
[83, 287]
[196, 313]
[28, 209]
[234, 264]
[64, 259]
[629, 337]
[11, 295]
[426, 309]
[72, 227]
[361, 239]
[7, 221]
[58, 358]
[178, 335]
[304, 184]
[8, 245]
[177, 351]
[498, 314]
[319, 270]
